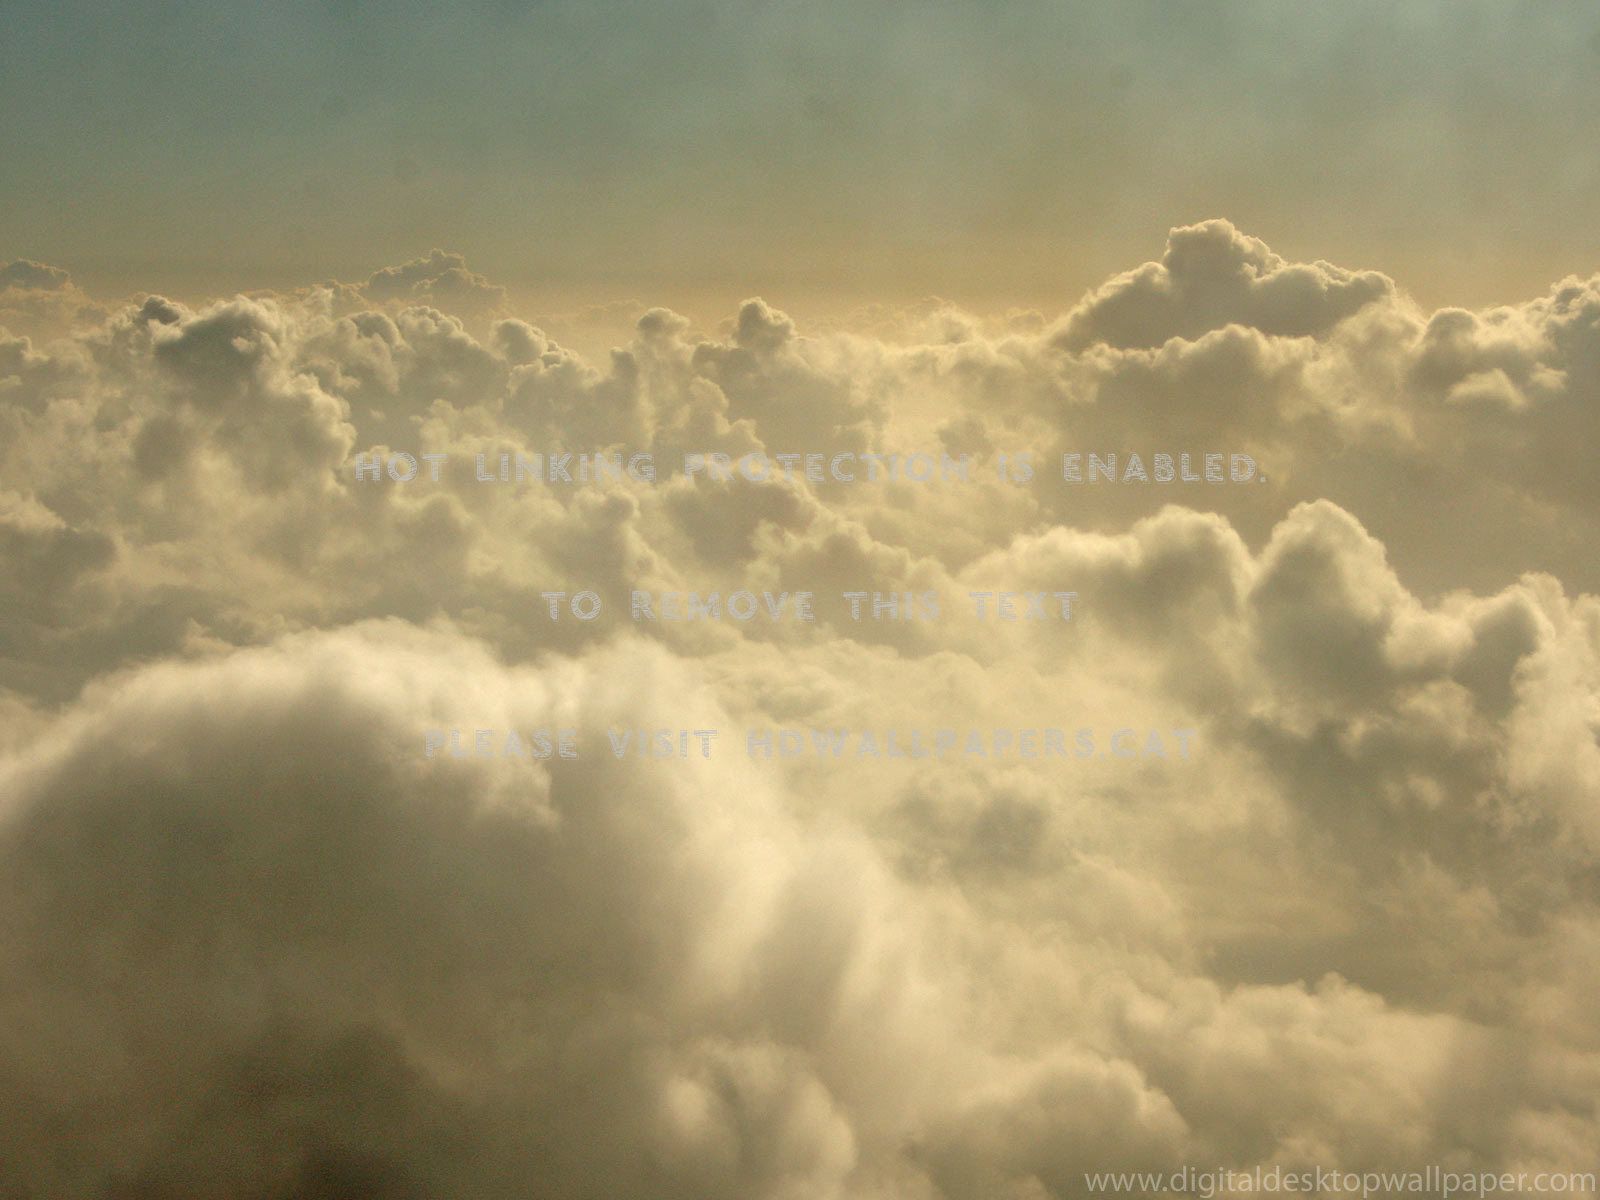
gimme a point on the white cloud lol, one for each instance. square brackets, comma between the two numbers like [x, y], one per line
[1355, 929]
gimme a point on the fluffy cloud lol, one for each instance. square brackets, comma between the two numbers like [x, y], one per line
[1212, 276]
[28, 275]
[254, 940]
[39, 299]
[273, 948]
[440, 278]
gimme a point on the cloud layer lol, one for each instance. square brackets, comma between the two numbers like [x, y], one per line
[254, 943]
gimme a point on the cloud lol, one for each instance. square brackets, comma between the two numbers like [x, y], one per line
[238, 902]
[26, 274]
[41, 300]
[269, 945]
[440, 277]
[1211, 276]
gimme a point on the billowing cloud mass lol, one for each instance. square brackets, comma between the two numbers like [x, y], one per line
[254, 943]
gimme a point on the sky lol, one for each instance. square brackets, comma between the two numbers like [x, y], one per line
[989, 153]
[1311, 878]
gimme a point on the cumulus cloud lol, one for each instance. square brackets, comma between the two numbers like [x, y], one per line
[440, 277]
[41, 300]
[255, 941]
[1211, 276]
[26, 274]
